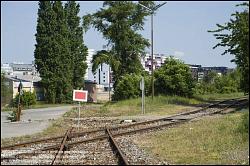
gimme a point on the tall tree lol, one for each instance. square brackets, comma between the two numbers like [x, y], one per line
[62, 57]
[237, 41]
[44, 53]
[78, 50]
[52, 53]
[119, 22]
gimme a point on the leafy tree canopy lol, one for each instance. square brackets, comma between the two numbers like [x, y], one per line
[234, 35]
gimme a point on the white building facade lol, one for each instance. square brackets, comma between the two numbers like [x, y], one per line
[102, 76]
[158, 61]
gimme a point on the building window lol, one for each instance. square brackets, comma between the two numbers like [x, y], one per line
[103, 76]
[103, 73]
[103, 80]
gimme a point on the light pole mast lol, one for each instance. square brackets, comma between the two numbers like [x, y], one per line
[152, 56]
[152, 11]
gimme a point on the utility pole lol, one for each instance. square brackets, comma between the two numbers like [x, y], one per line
[18, 115]
[152, 12]
[152, 57]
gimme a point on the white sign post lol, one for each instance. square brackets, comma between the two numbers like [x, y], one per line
[80, 95]
[142, 95]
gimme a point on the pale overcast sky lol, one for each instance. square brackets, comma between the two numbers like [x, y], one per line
[180, 29]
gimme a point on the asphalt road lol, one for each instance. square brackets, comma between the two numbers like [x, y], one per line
[32, 121]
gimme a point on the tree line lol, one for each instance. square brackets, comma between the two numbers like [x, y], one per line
[60, 52]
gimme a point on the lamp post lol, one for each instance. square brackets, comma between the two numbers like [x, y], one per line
[152, 11]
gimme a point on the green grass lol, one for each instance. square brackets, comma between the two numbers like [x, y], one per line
[212, 140]
[161, 105]
[218, 96]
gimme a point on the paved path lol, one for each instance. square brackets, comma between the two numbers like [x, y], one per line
[32, 121]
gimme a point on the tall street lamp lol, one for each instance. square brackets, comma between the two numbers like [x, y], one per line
[152, 12]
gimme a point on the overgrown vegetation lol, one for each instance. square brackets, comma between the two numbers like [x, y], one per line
[128, 86]
[26, 99]
[161, 105]
[174, 78]
[211, 140]
[244, 124]
[214, 83]
[217, 96]
[234, 36]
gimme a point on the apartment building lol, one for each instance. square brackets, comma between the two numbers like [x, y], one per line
[102, 76]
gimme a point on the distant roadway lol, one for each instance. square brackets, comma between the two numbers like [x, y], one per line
[32, 121]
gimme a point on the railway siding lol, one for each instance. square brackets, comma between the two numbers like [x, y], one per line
[94, 144]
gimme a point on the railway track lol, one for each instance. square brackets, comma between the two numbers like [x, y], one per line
[74, 139]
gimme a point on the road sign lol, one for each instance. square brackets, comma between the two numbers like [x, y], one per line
[80, 95]
[142, 84]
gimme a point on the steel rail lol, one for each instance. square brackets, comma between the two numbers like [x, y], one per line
[122, 159]
[78, 134]
[123, 133]
[62, 147]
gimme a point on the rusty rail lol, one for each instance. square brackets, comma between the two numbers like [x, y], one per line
[122, 159]
[63, 147]
[176, 121]
[78, 134]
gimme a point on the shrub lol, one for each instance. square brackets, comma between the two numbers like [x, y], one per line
[228, 83]
[174, 78]
[12, 116]
[129, 87]
[26, 99]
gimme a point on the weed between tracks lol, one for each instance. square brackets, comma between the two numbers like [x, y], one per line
[212, 140]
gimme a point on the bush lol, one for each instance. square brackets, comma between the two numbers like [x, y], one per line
[26, 99]
[228, 83]
[228, 90]
[174, 78]
[12, 116]
[129, 87]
